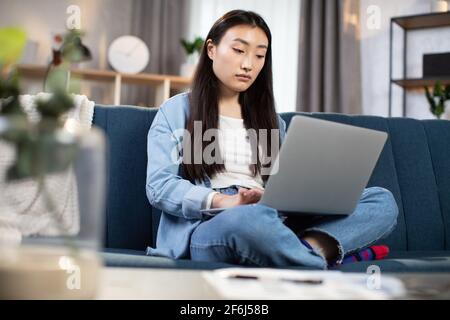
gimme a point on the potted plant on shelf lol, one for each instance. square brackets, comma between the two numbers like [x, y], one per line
[438, 99]
[60, 262]
[192, 49]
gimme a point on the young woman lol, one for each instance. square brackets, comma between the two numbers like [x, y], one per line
[232, 93]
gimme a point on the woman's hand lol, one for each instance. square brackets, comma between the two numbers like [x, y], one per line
[244, 196]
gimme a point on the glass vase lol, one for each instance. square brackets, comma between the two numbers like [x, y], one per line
[51, 222]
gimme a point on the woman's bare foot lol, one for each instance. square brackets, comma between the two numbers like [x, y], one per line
[324, 244]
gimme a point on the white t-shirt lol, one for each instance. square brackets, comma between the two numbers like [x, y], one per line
[235, 150]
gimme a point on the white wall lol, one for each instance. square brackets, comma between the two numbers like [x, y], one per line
[106, 19]
[375, 57]
[103, 20]
[282, 17]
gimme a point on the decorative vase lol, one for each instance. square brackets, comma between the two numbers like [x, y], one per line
[187, 69]
[446, 114]
[439, 6]
[52, 224]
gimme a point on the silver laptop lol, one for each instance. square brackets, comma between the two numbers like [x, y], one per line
[323, 168]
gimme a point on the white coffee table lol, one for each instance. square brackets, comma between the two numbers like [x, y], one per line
[176, 284]
[149, 284]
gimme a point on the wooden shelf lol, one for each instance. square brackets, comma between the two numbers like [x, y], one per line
[420, 82]
[163, 83]
[407, 23]
[431, 20]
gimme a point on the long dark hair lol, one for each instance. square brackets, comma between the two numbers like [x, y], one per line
[204, 98]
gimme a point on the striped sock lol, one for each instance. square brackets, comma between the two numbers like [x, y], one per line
[367, 254]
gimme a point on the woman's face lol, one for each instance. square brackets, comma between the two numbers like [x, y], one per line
[239, 57]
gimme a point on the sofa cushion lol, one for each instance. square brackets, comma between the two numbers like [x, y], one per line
[384, 174]
[128, 212]
[400, 261]
[405, 261]
[137, 259]
[417, 180]
[438, 135]
[414, 165]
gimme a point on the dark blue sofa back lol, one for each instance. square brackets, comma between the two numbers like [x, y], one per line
[414, 166]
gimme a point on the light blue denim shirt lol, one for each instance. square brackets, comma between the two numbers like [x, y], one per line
[179, 200]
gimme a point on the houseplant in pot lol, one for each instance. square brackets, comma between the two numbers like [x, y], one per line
[51, 188]
[438, 100]
[192, 49]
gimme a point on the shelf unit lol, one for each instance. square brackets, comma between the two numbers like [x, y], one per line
[415, 83]
[164, 84]
[408, 23]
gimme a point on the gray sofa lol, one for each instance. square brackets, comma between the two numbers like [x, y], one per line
[414, 166]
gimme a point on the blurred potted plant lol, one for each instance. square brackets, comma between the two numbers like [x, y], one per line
[438, 99]
[193, 50]
[41, 149]
[66, 50]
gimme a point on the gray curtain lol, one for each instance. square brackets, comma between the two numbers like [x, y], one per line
[160, 24]
[329, 76]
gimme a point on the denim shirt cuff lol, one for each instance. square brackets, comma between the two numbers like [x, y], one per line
[194, 201]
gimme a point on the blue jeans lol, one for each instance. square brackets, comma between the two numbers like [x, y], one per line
[257, 235]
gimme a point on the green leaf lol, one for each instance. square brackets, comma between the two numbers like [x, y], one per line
[437, 89]
[9, 92]
[12, 42]
[43, 147]
[59, 103]
[437, 99]
[24, 166]
[447, 92]
[15, 129]
[57, 79]
[41, 150]
[74, 84]
[73, 49]
[429, 97]
[187, 46]
[191, 47]
[198, 44]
